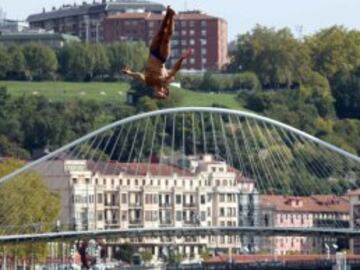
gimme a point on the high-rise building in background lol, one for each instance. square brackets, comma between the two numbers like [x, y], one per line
[85, 20]
[206, 35]
[127, 20]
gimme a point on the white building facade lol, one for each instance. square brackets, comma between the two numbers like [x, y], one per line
[206, 192]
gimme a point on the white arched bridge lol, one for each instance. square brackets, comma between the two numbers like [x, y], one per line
[185, 172]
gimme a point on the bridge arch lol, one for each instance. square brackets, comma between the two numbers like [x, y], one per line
[141, 116]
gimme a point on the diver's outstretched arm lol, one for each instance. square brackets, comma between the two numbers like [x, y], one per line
[135, 75]
[178, 65]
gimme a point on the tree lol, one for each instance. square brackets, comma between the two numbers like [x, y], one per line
[246, 81]
[275, 56]
[10, 149]
[333, 50]
[4, 62]
[101, 61]
[346, 91]
[146, 104]
[17, 62]
[76, 61]
[34, 209]
[41, 61]
[122, 54]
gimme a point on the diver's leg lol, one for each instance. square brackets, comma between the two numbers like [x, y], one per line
[158, 39]
[169, 24]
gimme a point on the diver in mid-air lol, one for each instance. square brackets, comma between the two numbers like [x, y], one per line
[155, 74]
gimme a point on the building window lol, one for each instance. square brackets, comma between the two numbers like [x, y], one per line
[178, 215]
[203, 32]
[222, 198]
[99, 198]
[192, 23]
[202, 199]
[123, 215]
[112, 182]
[123, 198]
[136, 182]
[183, 32]
[178, 199]
[192, 32]
[222, 212]
[184, 42]
[100, 216]
[183, 23]
[203, 23]
[96, 181]
[203, 215]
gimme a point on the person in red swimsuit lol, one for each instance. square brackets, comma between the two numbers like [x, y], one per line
[155, 74]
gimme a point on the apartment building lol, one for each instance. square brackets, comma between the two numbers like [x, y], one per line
[206, 35]
[86, 20]
[319, 211]
[354, 197]
[206, 192]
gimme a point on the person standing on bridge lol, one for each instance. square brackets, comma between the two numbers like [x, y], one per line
[155, 74]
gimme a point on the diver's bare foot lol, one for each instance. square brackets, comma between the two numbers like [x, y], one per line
[170, 10]
[187, 53]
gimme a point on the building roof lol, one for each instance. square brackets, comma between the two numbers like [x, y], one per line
[310, 204]
[24, 36]
[157, 17]
[85, 8]
[354, 192]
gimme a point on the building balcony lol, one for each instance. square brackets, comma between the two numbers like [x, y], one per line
[191, 223]
[166, 223]
[135, 205]
[112, 222]
[165, 205]
[135, 221]
[190, 205]
[108, 204]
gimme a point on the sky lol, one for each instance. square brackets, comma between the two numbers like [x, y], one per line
[303, 17]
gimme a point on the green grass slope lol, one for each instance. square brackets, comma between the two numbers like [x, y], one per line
[62, 91]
